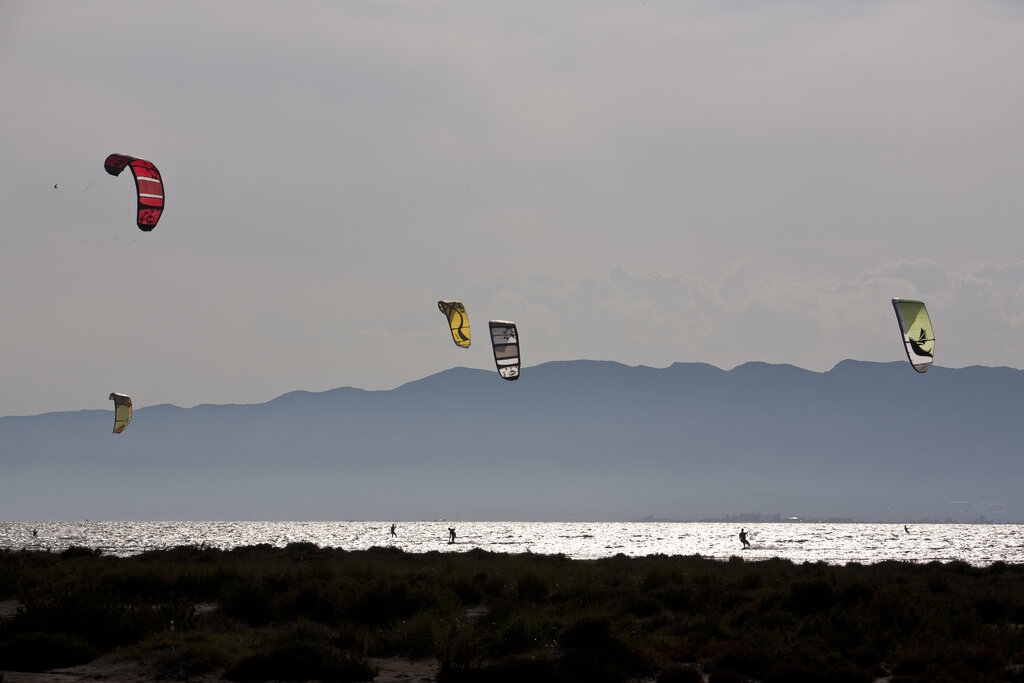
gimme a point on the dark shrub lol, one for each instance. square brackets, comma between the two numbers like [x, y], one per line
[134, 588]
[102, 623]
[675, 598]
[866, 655]
[990, 611]
[810, 597]
[654, 579]
[412, 638]
[750, 581]
[302, 661]
[680, 674]
[202, 585]
[301, 549]
[705, 628]
[726, 677]
[514, 670]
[856, 594]
[79, 551]
[313, 603]
[383, 602]
[42, 651]
[523, 631]
[251, 602]
[385, 550]
[10, 574]
[594, 651]
[181, 660]
[577, 667]
[588, 634]
[817, 658]
[641, 606]
[910, 664]
[748, 658]
[458, 649]
[257, 549]
[531, 588]
[501, 617]
[469, 592]
[796, 673]
[491, 586]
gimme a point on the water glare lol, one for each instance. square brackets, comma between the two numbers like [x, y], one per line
[976, 544]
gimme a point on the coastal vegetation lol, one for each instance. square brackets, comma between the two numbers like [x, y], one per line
[305, 612]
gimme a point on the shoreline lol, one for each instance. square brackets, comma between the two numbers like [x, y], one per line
[978, 544]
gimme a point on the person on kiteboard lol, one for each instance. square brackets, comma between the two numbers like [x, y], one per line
[743, 538]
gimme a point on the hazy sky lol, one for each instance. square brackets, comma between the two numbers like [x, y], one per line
[646, 182]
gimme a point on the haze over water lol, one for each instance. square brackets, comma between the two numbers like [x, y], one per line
[976, 544]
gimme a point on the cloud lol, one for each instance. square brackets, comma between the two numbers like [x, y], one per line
[659, 318]
[643, 182]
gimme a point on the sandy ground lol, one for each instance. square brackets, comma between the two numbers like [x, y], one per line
[113, 668]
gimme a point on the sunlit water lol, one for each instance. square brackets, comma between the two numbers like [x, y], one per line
[977, 544]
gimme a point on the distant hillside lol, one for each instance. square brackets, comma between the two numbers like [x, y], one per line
[569, 440]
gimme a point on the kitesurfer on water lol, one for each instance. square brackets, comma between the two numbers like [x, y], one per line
[393, 534]
[451, 534]
[743, 538]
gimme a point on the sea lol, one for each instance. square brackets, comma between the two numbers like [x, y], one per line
[832, 543]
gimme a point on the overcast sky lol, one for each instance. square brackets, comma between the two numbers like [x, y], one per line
[646, 182]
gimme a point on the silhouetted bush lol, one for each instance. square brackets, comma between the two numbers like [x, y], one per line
[795, 673]
[809, 597]
[37, 651]
[531, 588]
[596, 651]
[10, 574]
[302, 661]
[382, 602]
[181, 656]
[519, 670]
[76, 551]
[102, 623]
[991, 610]
[524, 630]
[856, 594]
[489, 616]
[251, 602]
[680, 674]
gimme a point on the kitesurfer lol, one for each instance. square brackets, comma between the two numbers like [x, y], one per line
[451, 534]
[393, 534]
[743, 538]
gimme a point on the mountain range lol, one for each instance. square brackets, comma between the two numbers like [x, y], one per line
[569, 440]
